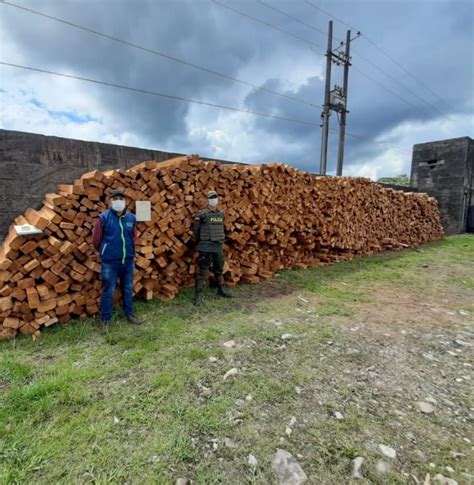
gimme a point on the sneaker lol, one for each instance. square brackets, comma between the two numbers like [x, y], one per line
[134, 320]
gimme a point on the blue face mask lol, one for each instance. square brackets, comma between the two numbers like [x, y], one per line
[213, 202]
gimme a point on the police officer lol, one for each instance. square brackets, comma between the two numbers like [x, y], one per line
[208, 230]
[114, 237]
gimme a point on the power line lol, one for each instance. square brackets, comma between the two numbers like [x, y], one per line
[409, 103]
[386, 54]
[179, 98]
[351, 135]
[268, 25]
[399, 82]
[330, 15]
[196, 67]
[364, 138]
[158, 53]
[293, 18]
[154, 93]
[382, 51]
[311, 44]
[360, 56]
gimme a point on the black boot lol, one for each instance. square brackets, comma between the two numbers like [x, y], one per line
[197, 297]
[224, 293]
[134, 320]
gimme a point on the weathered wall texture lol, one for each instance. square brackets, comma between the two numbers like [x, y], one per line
[32, 165]
[444, 169]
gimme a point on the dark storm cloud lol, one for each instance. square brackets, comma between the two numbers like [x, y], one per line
[184, 29]
[433, 40]
[422, 35]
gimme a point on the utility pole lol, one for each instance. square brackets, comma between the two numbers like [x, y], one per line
[326, 109]
[342, 123]
[335, 99]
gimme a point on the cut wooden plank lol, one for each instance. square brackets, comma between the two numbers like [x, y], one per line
[11, 322]
[47, 305]
[6, 303]
[33, 297]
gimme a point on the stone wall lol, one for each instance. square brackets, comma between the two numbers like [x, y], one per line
[444, 169]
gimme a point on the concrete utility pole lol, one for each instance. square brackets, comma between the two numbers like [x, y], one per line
[342, 122]
[335, 100]
[326, 109]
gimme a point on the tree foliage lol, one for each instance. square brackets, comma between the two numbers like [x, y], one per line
[398, 180]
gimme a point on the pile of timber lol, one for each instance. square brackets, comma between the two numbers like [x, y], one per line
[275, 217]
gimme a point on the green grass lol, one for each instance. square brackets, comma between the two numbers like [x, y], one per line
[80, 407]
[13, 372]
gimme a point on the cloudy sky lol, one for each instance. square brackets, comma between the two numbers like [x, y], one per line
[426, 94]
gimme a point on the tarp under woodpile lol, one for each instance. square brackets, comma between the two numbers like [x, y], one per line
[275, 217]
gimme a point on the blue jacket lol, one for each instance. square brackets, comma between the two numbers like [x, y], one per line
[118, 242]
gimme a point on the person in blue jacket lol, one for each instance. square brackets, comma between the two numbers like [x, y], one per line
[114, 237]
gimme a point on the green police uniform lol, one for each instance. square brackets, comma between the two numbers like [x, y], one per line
[208, 229]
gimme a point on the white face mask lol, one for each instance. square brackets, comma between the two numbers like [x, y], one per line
[118, 205]
[213, 202]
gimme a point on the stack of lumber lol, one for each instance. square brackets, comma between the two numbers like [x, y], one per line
[275, 217]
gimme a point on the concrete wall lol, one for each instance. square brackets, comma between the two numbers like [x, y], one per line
[444, 170]
[470, 168]
[32, 165]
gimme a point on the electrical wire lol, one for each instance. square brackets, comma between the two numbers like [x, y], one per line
[116, 39]
[154, 93]
[293, 18]
[385, 53]
[311, 44]
[375, 66]
[399, 82]
[159, 53]
[179, 98]
[408, 103]
[306, 41]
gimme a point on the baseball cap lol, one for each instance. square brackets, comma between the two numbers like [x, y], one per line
[116, 192]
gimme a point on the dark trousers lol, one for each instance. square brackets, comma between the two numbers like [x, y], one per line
[205, 260]
[110, 273]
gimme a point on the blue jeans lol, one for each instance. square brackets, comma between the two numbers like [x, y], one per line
[110, 273]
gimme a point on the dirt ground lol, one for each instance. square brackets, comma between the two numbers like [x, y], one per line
[387, 358]
[397, 364]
